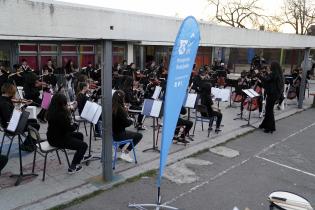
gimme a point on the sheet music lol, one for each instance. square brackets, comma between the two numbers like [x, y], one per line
[191, 100]
[253, 92]
[97, 114]
[32, 111]
[157, 92]
[14, 121]
[147, 106]
[88, 111]
[151, 108]
[250, 93]
[222, 94]
[156, 109]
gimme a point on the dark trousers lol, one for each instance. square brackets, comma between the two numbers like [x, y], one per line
[280, 100]
[29, 141]
[42, 114]
[269, 120]
[74, 142]
[3, 161]
[187, 123]
[136, 137]
[219, 118]
[140, 119]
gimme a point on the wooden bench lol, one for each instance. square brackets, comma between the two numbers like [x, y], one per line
[313, 94]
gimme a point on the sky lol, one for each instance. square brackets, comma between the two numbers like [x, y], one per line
[180, 8]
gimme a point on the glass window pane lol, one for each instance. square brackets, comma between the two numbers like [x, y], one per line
[65, 59]
[44, 60]
[48, 48]
[85, 59]
[87, 48]
[68, 48]
[31, 61]
[28, 48]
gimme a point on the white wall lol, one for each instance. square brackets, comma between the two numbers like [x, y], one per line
[36, 20]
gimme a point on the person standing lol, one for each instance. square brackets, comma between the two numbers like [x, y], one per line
[273, 87]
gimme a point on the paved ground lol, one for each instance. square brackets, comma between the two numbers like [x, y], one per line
[60, 187]
[284, 160]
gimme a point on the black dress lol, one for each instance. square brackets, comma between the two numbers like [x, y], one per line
[271, 85]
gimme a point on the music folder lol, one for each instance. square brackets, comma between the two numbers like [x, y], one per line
[190, 101]
[91, 112]
[18, 121]
[250, 93]
[151, 108]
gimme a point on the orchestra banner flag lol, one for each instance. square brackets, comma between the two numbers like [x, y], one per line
[182, 60]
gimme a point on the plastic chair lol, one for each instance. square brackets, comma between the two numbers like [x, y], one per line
[44, 148]
[116, 145]
[202, 109]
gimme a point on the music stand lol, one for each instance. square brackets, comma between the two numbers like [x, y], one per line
[91, 113]
[16, 127]
[190, 103]
[220, 94]
[152, 108]
[251, 94]
[232, 83]
[242, 110]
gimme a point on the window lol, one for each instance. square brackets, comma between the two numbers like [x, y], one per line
[87, 49]
[48, 48]
[28, 48]
[119, 53]
[68, 48]
[66, 58]
[44, 59]
[31, 61]
[85, 59]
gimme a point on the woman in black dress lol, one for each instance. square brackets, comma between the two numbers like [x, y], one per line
[272, 85]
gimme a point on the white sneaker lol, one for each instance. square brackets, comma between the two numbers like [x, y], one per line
[126, 157]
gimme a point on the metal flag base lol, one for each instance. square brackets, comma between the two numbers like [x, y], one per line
[156, 206]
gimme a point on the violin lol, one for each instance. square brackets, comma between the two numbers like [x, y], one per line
[21, 101]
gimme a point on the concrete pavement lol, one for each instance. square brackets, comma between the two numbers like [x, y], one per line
[61, 188]
[284, 160]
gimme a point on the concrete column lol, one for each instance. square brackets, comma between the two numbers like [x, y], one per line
[142, 57]
[303, 82]
[107, 110]
[130, 53]
[281, 56]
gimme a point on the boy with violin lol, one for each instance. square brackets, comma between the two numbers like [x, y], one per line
[31, 89]
[7, 101]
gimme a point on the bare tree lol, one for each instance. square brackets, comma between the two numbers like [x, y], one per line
[238, 13]
[300, 14]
